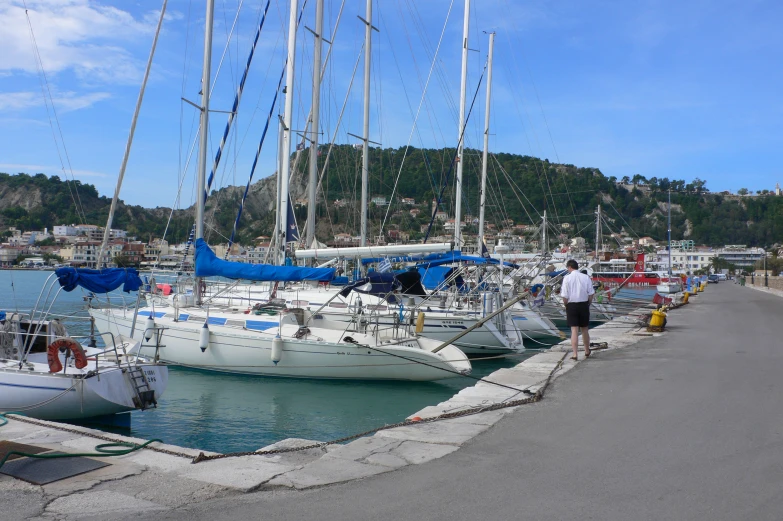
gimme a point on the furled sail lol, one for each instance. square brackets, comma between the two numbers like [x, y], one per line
[208, 265]
[99, 281]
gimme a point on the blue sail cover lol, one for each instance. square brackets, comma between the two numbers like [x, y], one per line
[208, 265]
[434, 277]
[99, 281]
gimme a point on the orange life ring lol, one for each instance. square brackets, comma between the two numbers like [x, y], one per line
[53, 355]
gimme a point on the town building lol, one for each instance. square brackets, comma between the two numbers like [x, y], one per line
[258, 254]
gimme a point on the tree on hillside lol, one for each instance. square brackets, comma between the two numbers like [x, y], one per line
[742, 191]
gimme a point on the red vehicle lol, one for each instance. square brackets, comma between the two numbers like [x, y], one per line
[618, 271]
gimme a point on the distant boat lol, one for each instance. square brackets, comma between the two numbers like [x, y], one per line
[619, 271]
[670, 284]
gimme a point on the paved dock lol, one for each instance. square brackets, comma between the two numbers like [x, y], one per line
[687, 425]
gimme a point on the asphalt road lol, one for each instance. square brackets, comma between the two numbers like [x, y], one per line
[685, 426]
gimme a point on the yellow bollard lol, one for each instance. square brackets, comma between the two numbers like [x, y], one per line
[685, 297]
[656, 321]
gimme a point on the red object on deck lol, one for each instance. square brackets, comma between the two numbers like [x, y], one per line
[165, 289]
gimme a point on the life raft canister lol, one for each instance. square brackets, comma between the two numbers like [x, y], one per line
[53, 354]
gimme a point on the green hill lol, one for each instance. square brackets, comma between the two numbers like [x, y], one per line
[520, 188]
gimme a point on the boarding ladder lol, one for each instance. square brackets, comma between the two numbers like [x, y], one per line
[145, 396]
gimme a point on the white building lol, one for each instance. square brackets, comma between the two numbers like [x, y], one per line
[696, 259]
[258, 254]
[65, 231]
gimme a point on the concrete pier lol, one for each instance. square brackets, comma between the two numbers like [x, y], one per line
[683, 425]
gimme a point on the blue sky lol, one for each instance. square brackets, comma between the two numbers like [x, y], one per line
[659, 88]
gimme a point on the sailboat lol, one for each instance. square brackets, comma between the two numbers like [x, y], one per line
[670, 284]
[285, 341]
[37, 380]
[48, 374]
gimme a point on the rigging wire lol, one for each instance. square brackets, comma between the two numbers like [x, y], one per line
[418, 110]
[454, 157]
[46, 90]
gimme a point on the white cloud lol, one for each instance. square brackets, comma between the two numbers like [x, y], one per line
[78, 35]
[49, 169]
[63, 101]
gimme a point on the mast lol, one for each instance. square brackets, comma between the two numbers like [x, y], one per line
[366, 129]
[543, 236]
[483, 194]
[670, 234]
[113, 208]
[204, 135]
[313, 180]
[285, 163]
[597, 231]
[462, 91]
[275, 242]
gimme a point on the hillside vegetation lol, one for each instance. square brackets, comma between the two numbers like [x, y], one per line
[520, 188]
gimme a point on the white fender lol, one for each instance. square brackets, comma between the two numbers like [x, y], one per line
[149, 328]
[203, 341]
[277, 349]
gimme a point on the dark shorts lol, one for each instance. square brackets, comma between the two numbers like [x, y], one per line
[578, 314]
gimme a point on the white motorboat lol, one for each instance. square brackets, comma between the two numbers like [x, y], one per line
[669, 286]
[93, 382]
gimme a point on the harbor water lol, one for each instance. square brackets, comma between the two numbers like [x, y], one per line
[225, 413]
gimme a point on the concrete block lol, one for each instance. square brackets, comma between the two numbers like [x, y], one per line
[168, 490]
[363, 448]
[244, 473]
[99, 502]
[386, 459]
[484, 418]
[416, 453]
[444, 432]
[113, 472]
[326, 471]
[518, 378]
[46, 437]
[298, 458]
[487, 418]
[156, 460]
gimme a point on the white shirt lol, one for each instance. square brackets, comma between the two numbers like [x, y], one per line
[577, 287]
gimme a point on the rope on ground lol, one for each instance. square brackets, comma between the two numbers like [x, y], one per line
[535, 397]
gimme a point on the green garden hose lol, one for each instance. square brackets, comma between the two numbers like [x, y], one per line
[101, 451]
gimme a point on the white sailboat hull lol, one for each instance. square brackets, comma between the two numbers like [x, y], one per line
[39, 394]
[439, 324]
[242, 351]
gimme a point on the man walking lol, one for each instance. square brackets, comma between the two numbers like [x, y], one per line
[577, 292]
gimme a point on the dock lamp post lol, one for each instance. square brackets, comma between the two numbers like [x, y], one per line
[766, 276]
